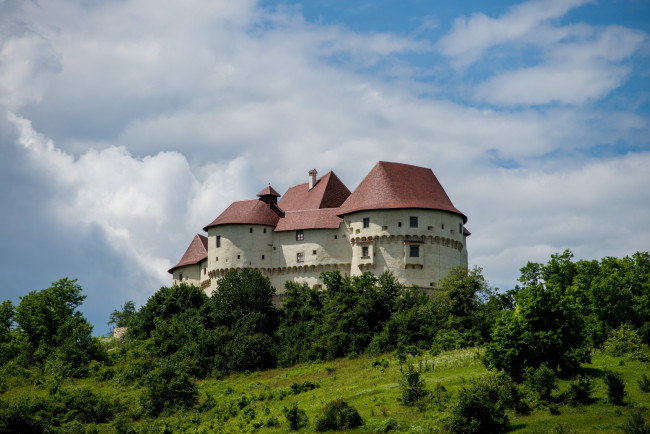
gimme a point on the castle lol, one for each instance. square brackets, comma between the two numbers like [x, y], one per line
[398, 219]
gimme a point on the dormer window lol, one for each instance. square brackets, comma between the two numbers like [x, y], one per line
[300, 235]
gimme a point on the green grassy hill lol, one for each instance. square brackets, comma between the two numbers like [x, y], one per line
[255, 402]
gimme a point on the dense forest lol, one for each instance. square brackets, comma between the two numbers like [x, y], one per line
[56, 377]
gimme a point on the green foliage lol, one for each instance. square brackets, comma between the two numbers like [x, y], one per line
[163, 305]
[580, 391]
[412, 386]
[338, 415]
[622, 341]
[542, 381]
[615, 387]
[636, 423]
[481, 406]
[64, 409]
[124, 316]
[305, 386]
[546, 327]
[644, 383]
[168, 389]
[296, 417]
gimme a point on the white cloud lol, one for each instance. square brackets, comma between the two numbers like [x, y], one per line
[470, 37]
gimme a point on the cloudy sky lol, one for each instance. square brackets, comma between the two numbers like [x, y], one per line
[128, 125]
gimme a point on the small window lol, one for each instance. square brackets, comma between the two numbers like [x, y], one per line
[366, 222]
[250, 230]
[413, 221]
[180, 276]
[218, 240]
[460, 228]
[415, 251]
[443, 226]
[238, 257]
[204, 270]
[364, 252]
[385, 228]
[300, 257]
[313, 252]
[216, 259]
[264, 230]
[336, 237]
[300, 235]
[399, 224]
[262, 256]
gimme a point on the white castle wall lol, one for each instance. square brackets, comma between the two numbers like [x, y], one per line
[439, 235]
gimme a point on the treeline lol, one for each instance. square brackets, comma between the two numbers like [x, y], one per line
[551, 322]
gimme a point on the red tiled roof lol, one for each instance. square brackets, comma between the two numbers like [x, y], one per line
[268, 191]
[328, 192]
[195, 253]
[466, 232]
[253, 212]
[396, 185]
[312, 219]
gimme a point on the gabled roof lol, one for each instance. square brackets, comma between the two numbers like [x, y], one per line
[397, 185]
[268, 191]
[250, 212]
[311, 219]
[328, 192]
[195, 253]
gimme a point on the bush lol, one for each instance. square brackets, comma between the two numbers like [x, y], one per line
[413, 388]
[636, 423]
[615, 387]
[338, 415]
[305, 386]
[580, 391]
[622, 341]
[167, 389]
[481, 406]
[541, 381]
[296, 417]
[644, 383]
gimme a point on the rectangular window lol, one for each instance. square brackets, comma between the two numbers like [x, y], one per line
[399, 224]
[218, 240]
[415, 251]
[180, 277]
[313, 252]
[264, 230]
[460, 228]
[262, 256]
[300, 235]
[300, 257]
[413, 221]
[366, 222]
[364, 252]
[250, 230]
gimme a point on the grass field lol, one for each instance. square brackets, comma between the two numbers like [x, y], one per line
[254, 402]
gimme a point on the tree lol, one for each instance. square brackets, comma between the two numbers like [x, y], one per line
[40, 314]
[546, 327]
[124, 316]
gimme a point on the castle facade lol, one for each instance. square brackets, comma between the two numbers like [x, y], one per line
[399, 219]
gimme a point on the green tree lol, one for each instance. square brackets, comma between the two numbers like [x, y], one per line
[546, 327]
[40, 314]
[123, 316]
[168, 388]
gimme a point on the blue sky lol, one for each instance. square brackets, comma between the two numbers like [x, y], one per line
[127, 126]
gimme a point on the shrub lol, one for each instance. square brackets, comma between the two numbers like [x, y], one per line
[636, 423]
[580, 391]
[305, 386]
[413, 388]
[296, 417]
[541, 381]
[338, 415]
[615, 387]
[644, 383]
[481, 406]
[167, 389]
[622, 341]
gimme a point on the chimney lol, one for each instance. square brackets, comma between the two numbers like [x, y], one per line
[312, 178]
